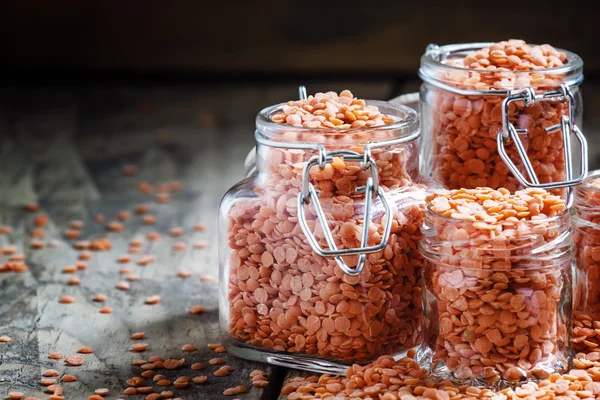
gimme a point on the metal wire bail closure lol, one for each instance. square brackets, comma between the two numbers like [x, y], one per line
[371, 189]
[566, 126]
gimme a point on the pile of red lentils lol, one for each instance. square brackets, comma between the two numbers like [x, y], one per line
[463, 129]
[282, 295]
[587, 252]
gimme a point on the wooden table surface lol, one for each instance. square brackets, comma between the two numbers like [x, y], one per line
[65, 149]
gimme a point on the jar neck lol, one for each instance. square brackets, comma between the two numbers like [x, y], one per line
[437, 69]
[587, 199]
[396, 166]
[546, 238]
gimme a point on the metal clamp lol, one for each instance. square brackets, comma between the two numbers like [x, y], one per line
[371, 190]
[567, 126]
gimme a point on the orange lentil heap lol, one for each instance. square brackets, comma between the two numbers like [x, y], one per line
[463, 129]
[387, 379]
[587, 252]
[284, 297]
[497, 283]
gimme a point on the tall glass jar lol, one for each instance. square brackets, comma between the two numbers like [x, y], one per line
[319, 260]
[497, 298]
[501, 126]
[586, 222]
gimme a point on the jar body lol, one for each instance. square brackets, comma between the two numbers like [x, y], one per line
[283, 303]
[586, 224]
[459, 140]
[498, 311]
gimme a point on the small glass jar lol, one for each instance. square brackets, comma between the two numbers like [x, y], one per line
[319, 260]
[500, 128]
[496, 303]
[586, 223]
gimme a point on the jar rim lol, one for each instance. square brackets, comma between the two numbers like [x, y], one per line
[406, 125]
[432, 214]
[432, 60]
[586, 184]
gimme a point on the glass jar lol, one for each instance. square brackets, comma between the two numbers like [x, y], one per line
[586, 223]
[319, 260]
[500, 128]
[496, 302]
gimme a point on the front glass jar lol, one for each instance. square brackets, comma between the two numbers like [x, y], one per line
[502, 115]
[497, 293]
[340, 281]
[586, 223]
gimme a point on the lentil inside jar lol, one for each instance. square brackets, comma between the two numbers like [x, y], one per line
[586, 223]
[279, 297]
[498, 285]
[460, 131]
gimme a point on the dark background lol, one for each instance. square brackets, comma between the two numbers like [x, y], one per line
[273, 39]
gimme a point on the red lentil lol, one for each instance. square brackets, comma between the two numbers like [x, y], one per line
[32, 207]
[81, 265]
[5, 339]
[69, 269]
[145, 260]
[145, 187]
[179, 246]
[197, 309]
[145, 389]
[67, 299]
[74, 281]
[163, 198]
[123, 285]
[201, 244]
[99, 218]
[85, 350]
[55, 356]
[115, 226]
[68, 378]
[200, 227]
[123, 215]
[37, 244]
[82, 244]
[138, 335]
[139, 347]
[75, 361]
[153, 300]
[174, 364]
[102, 244]
[105, 310]
[100, 298]
[133, 277]
[200, 380]
[72, 234]
[76, 224]
[197, 366]
[149, 373]
[184, 273]
[176, 231]
[50, 373]
[47, 381]
[38, 233]
[153, 236]
[15, 395]
[188, 347]
[129, 170]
